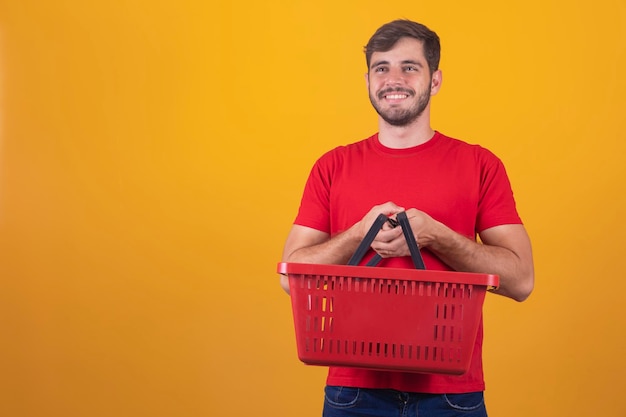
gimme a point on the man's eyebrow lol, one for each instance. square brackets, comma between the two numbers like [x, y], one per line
[377, 63]
[406, 61]
[410, 61]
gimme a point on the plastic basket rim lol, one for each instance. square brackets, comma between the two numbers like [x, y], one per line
[404, 274]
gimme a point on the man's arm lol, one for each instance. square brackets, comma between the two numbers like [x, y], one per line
[505, 251]
[307, 245]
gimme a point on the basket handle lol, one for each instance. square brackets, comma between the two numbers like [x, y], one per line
[364, 246]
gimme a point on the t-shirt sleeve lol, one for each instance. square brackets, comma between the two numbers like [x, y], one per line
[496, 205]
[314, 211]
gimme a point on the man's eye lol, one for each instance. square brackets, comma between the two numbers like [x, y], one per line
[380, 69]
[410, 69]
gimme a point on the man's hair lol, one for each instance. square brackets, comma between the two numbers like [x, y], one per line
[387, 35]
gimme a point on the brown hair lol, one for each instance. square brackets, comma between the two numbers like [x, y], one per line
[387, 35]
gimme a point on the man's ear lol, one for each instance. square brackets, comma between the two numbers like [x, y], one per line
[367, 80]
[435, 82]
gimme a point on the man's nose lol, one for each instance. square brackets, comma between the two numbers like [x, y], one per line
[395, 77]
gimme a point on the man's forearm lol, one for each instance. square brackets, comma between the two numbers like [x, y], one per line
[336, 250]
[507, 257]
[305, 245]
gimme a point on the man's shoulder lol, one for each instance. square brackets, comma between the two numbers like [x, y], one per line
[349, 148]
[465, 146]
[453, 141]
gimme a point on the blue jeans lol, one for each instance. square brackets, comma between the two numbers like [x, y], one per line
[352, 402]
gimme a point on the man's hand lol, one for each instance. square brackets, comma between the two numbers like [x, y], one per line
[389, 209]
[390, 241]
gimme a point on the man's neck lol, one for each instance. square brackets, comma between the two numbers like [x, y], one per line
[401, 137]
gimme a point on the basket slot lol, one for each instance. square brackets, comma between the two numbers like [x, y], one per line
[425, 289]
[327, 304]
[452, 312]
[338, 283]
[322, 324]
[331, 283]
[440, 333]
[319, 303]
[321, 282]
[326, 324]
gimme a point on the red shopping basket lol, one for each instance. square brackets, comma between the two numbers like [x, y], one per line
[408, 320]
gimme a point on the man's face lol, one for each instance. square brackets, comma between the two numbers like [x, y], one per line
[399, 82]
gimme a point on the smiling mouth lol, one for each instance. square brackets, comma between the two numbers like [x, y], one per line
[395, 96]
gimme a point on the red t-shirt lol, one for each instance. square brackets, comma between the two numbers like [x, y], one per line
[461, 185]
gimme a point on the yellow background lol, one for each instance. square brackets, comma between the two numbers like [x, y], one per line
[152, 156]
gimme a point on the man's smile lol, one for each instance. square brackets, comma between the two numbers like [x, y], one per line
[394, 94]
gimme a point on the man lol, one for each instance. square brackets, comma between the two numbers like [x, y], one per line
[451, 192]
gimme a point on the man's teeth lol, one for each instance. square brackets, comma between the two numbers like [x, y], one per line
[396, 96]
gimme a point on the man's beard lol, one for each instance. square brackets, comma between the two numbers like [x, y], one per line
[401, 117]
